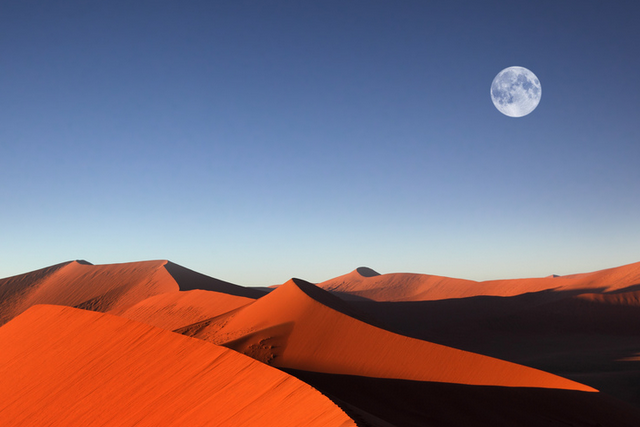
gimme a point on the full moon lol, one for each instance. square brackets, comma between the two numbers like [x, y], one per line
[516, 91]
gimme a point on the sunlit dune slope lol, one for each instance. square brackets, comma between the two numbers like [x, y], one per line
[416, 287]
[62, 366]
[94, 287]
[300, 326]
[16, 288]
[109, 287]
[173, 310]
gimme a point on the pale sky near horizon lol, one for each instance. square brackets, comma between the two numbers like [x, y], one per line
[255, 141]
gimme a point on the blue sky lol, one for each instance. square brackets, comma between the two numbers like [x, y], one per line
[256, 141]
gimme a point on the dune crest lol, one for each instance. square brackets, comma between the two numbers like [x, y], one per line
[65, 366]
[108, 287]
[93, 287]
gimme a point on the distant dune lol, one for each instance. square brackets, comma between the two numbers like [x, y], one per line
[423, 287]
[109, 287]
[64, 366]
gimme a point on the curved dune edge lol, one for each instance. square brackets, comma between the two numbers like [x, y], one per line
[173, 310]
[288, 328]
[65, 366]
[424, 287]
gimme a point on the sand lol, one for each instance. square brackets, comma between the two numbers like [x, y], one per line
[64, 366]
[108, 287]
[387, 350]
[173, 310]
[423, 287]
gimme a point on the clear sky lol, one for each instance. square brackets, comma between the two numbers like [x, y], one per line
[255, 141]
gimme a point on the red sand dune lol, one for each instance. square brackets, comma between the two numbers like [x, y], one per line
[296, 327]
[64, 366]
[173, 310]
[365, 283]
[109, 287]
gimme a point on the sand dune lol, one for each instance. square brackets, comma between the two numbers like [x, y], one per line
[296, 327]
[390, 350]
[64, 366]
[422, 287]
[173, 310]
[109, 287]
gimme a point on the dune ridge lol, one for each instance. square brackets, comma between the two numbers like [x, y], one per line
[94, 287]
[107, 287]
[65, 366]
[424, 287]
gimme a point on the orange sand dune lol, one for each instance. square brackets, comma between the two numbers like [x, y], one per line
[63, 366]
[365, 283]
[300, 326]
[109, 287]
[173, 310]
[14, 289]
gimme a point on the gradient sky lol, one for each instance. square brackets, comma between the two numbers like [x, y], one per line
[255, 141]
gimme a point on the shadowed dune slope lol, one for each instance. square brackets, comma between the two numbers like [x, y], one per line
[419, 287]
[295, 327]
[64, 366]
[188, 280]
[108, 287]
[173, 310]
[377, 402]
[582, 336]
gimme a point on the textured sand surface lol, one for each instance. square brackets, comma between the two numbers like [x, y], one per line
[64, 366]
[173, 310]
